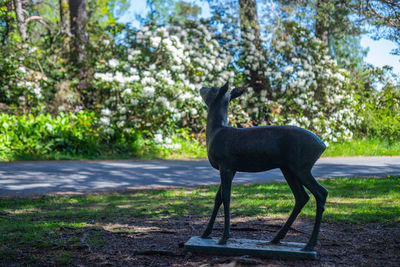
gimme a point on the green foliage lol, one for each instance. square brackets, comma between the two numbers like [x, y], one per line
[166, 11]
[102, 12]
[80, 135]
[349, 53]
[29, 136]
[6, 18]
[381, 113]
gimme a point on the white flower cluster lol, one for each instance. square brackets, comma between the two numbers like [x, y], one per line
[166, 142]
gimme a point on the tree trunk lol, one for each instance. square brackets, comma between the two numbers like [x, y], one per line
[79, 42]
[64, 29]
[19, 12]
[78, 20]
[249, 24]
[249, 18]
[322, 23]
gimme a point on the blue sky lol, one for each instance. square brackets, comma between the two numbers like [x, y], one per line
[378, 55]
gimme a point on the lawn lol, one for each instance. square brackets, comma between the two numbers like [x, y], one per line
[363, 147]
[61, 229]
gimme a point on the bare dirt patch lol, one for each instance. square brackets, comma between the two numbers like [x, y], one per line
[141, 242]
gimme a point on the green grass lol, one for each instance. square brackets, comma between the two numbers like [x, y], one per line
[363, 147]
[64, 258]
[40, 223]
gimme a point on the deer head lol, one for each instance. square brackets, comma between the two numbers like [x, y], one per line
[220, 95]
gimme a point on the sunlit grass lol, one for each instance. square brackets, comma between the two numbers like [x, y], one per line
[363, 147]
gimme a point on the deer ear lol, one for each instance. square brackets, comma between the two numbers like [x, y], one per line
[238, 91]
[223, 89]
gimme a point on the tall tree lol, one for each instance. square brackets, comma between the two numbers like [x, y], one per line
[334, 21]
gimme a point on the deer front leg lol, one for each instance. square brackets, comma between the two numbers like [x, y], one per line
[217, 204]
[226, 184]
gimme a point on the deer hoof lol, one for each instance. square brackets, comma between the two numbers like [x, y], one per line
[276, 240]
[222, 241]
[308, 248]
[205, 236]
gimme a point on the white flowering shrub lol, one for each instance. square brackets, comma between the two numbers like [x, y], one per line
[20, 85]
[304, 86]
[156, 86]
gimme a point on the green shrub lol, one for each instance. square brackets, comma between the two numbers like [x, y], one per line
[81, 135]
[381, 114]
[29, 136]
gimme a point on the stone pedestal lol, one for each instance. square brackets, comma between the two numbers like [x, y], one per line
[257, 248]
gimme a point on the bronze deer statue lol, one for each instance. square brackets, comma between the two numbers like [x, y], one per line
[255, 149]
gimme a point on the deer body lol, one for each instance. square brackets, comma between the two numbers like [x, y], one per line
[258, 149]
[292, 149]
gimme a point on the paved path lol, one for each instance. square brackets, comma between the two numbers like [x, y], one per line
[29, 178]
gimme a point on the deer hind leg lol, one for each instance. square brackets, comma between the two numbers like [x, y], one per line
[320, 193]
[217, 204]
[226, 184]
[301, 198]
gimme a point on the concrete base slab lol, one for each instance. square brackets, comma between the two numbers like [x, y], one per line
[257, 248]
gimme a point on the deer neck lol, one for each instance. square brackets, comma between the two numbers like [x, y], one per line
[216, 119]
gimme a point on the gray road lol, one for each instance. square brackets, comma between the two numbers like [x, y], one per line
[31, 178]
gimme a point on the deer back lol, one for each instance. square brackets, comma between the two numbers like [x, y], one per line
[263, 148]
